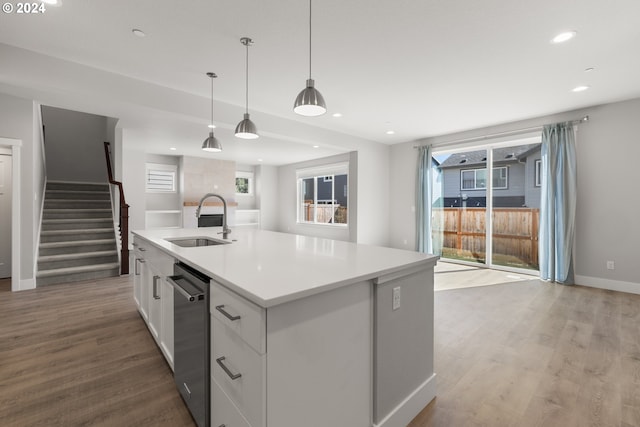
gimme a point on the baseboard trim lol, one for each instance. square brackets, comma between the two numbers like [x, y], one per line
[27, 284]
[407, 410]
[612, 285]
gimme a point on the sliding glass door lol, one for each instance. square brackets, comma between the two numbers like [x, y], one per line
[486, 205]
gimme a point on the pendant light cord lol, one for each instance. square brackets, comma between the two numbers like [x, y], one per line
[212, 103]
[309, 39]
[246, 98]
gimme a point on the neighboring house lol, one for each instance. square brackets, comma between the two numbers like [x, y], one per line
[516, 178]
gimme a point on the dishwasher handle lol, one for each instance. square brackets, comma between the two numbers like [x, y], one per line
[191, 295]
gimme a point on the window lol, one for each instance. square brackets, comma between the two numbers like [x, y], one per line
[244, 183]
[538, 173]
[476, 179]
[161, 178]
[323, 195]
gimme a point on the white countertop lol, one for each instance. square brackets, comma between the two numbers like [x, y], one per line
[272, 268]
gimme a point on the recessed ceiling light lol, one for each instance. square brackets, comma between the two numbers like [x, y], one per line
[211, 126]
[259, 160]
[390, 132]
[172, 148]
[337, 114]
[579, 88]
[316, 146]
[138, 32]
[563, 37]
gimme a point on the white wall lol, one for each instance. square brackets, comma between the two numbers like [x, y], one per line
[267, 201]
[74, 144]
[133, 170]
[373, 208]
[17, 122]
[608, 149]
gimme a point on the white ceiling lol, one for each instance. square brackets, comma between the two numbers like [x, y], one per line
[419, 67]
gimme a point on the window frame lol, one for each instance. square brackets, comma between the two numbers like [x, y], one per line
[326, 174]
[250, 178]
[164, 169]
[475, 178]
[537, 173]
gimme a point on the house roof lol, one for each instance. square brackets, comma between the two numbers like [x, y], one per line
[479, 157]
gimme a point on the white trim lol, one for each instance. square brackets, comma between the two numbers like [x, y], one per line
[16, 190]
[612, 285]
[402, 414]
[341, 168]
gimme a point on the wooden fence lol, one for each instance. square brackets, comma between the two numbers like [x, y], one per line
[515, 234]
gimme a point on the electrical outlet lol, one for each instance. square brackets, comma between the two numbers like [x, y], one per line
[396, 298]
[611, 265]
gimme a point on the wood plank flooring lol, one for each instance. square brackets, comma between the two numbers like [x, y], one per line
[79, 354]
[535, 354]
[523, 354]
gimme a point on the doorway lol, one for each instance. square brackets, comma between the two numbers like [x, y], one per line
[5, 212]
[486, 203]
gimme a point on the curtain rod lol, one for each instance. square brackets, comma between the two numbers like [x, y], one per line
[494, 135]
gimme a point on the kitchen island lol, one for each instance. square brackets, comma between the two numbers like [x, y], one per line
[325, 332]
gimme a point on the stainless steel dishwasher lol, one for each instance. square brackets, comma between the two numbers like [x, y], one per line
[191, 340]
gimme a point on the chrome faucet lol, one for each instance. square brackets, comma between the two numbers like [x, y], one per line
[225, 229]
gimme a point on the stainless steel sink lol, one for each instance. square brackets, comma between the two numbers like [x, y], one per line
[194, 242]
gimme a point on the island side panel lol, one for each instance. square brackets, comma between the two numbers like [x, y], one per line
[319, 359]
[403, 362]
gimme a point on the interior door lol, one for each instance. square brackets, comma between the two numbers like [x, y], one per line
[5, 216]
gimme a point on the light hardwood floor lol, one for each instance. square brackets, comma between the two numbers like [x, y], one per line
[79, 354]
[522, 354]
[535, 354]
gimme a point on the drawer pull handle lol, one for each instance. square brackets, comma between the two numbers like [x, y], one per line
[221, 309]
[142, 249]
[226, 370]
[155, 287]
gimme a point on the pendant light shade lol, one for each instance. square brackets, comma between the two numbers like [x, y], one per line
[246, 129]
[212, 144]
[310, 102]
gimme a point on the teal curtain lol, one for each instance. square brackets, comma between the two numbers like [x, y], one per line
[558, 203]
[424, 194]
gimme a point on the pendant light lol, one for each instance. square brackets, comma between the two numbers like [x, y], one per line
[310, 102]
[246, 129]
[212, 144]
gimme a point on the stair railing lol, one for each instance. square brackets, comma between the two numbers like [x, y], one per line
[124, 214]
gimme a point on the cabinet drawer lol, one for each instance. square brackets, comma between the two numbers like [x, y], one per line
[241, 315]
[223, 411]
[161, 261]
[247, 391]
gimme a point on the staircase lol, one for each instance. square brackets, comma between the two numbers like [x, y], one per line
[77, 241]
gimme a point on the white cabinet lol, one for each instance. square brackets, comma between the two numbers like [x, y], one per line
[153, 294]
[166, 322]
[141, 280]
[154, 302]
[278, 366]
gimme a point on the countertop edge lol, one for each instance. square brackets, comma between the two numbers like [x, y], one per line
[409, 268]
